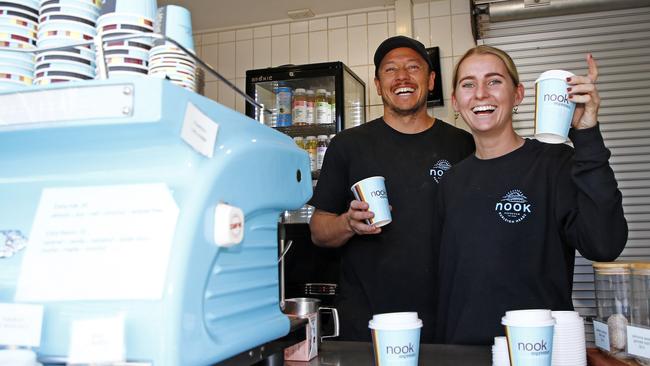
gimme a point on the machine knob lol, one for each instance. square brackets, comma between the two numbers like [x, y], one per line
[228, 225]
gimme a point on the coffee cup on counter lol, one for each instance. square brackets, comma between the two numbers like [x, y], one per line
[530, 336]
[396, 338]
[372, 190]
[553, 109]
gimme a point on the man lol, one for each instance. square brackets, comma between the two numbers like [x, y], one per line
[392, 268]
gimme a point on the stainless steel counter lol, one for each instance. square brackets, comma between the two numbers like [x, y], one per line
[360, 354]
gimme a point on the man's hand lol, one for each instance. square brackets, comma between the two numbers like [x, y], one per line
[357, 215]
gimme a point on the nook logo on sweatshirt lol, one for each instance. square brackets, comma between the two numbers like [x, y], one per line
[513, 207]
[439, 169]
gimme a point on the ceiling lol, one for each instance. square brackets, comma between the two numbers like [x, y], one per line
[211, 14]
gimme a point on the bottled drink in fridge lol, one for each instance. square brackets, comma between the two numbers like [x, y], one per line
[300, 142]
[333, 106]
[322, 107]
[320, 150]
[311, 145]
[299, 107]
[310, 107]
[283, 105]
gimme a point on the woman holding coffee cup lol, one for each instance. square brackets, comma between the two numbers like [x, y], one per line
[511, 216]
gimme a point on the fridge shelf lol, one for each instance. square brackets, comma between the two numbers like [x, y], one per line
[308, 130]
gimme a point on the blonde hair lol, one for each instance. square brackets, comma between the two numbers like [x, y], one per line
[488, 50]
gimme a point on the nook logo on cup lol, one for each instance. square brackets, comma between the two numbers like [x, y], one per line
[396, 338]
[373, 191]
[553, 109]
[530, 337]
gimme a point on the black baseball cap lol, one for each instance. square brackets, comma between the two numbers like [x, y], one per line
[398, 42]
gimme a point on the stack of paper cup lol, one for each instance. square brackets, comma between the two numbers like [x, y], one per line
[18, 26]
[126, 59]
[500, 352]
[569, 348]
[165, 59]
[396, 338]
[64, 22]
[530, 336]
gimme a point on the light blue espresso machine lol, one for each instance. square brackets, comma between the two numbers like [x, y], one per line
[149, 208]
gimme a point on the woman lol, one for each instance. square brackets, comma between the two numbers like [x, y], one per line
[511, 216]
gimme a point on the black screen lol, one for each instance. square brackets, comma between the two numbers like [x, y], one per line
[435, 97]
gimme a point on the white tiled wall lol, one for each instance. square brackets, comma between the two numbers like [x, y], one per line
[351, 38]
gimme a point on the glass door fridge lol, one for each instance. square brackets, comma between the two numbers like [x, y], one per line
[310, 103]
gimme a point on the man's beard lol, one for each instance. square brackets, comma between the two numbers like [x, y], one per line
[405, 112]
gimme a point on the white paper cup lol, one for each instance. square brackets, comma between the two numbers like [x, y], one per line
[373, 191]
[553, 109]
[530, 337]
[175, 22]
[396, 338]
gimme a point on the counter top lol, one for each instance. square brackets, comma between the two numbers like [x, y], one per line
[360, 353]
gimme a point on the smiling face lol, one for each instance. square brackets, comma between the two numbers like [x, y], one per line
[485, 94]
[403, 81]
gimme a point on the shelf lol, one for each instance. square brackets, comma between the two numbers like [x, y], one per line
[308, 130]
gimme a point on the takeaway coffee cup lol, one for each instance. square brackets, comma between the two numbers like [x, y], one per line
[530, 337]
[373, 191]
[175, 22]
[396, 338]
[553, 109]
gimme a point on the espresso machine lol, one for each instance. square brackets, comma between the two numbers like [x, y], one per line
[148, 208]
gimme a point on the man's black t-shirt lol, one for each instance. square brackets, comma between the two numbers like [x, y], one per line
[395, 270]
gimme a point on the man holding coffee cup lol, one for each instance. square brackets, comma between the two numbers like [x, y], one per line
[390, 268]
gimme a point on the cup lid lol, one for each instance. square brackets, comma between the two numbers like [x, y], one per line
[395, 321]
[554, 74]
[528, 317]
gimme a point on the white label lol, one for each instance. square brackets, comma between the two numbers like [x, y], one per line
[300, 112]
[601, 335]
[638, 341]
[99, 243]
[199, 131]
[96, 341]
[69, 104]
[322, 112]
[309, 115]
[20, 325]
